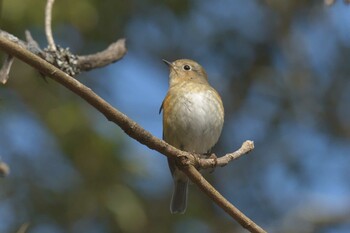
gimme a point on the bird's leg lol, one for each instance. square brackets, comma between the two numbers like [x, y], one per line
[210, 155]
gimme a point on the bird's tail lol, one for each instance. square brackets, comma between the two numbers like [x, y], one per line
[179, 199]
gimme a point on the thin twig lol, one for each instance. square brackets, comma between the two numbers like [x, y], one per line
[32, 44]
[246, 147]
[12, 38]
[5, 69]
[48, 30]
[130, 127]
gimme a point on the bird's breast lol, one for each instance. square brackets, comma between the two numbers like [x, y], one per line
[193, 120]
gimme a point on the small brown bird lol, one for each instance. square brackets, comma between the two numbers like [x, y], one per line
[193, 116]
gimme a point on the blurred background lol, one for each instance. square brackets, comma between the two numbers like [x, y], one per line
[282, 68]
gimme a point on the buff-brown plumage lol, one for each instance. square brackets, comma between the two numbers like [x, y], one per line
[193, 116]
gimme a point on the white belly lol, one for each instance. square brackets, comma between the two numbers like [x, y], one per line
[198, 122]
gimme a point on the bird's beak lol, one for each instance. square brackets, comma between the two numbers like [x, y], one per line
[168, 63]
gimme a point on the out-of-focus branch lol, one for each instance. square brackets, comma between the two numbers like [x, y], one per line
[313, 217]
[131, 128]
[4, 169]
[23, 228]
[331, 2]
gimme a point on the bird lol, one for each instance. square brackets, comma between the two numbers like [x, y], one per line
[193, 117]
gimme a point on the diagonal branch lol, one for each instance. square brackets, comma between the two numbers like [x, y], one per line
[130, 127]
[221, 201]
[23, 228]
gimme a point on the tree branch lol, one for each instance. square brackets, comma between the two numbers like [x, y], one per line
[5, 69]
[201, 163]
[113, 53]
[48, 30]
[221, 201]
[130, 127]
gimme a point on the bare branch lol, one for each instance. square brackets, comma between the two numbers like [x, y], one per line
[48, 30]
[221, 201]
[201, 163]
[32, 45]
[113, 53]
[130, 127]
[5, 69]
[13, 38]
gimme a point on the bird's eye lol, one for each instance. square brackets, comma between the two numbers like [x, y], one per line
[187, 67]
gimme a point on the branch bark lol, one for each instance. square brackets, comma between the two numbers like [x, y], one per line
[114, 52]
[201, 163]
[130, 127]
[5, 69]
[48, 30]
